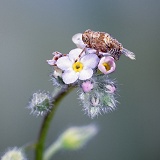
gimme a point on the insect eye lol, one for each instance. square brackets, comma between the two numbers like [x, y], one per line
[85, 39]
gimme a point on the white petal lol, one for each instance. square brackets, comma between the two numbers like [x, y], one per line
[51, 62]
[90, 60]
[85, 74]
[77, 39]
[74, 54]
[90, 50]
[69, 76]
[64, 63]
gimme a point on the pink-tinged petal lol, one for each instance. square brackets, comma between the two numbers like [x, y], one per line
[90, 60]
[74, 54]
[51, 62]
[110, 88]
[77, 39]
[56, 53]
[69, 77]
[108, 60]
[95, 101]
[85, 74]
[64, 63]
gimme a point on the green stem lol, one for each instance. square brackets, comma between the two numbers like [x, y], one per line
[46, 122]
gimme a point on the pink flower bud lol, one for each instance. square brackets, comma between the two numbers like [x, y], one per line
[110, 88]
[87, 86]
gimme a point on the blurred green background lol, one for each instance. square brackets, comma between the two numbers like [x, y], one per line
[30, 30]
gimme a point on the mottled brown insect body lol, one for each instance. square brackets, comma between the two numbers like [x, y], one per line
[102, 42]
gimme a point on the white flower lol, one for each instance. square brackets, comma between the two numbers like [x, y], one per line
[13, 154]
[77, 65]
[56, 55]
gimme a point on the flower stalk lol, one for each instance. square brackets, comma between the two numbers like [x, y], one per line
[86, 68]
[47, 120]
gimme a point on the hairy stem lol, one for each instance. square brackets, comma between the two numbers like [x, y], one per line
[46, 122]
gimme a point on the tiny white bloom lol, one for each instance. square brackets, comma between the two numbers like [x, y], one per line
[14, 154]
[77, 65]
[107, 65]
[53, 61]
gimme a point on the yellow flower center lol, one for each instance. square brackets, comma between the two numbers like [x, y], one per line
[107, 66]
[77, 66]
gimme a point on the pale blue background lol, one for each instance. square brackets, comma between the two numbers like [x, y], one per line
[30, 30]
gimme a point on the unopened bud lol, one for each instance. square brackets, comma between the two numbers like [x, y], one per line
[76, 137]
[40, 103]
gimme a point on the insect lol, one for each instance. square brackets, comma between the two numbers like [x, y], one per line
[104, 42]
